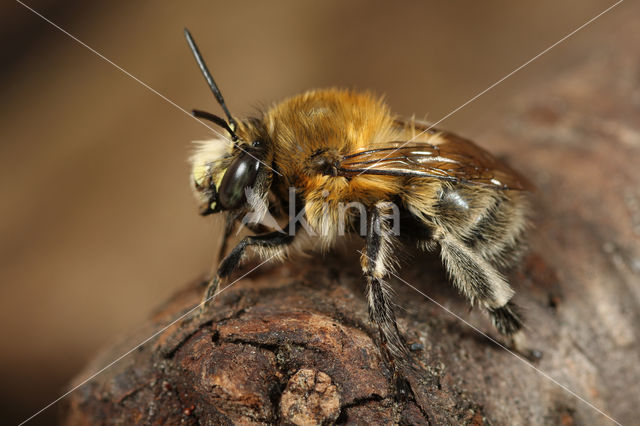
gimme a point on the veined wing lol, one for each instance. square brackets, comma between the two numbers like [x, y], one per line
[453, 159]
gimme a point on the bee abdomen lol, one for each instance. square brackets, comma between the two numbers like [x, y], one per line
[497, 234]
[492, 225]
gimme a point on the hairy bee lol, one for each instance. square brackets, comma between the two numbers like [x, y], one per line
[325, 149]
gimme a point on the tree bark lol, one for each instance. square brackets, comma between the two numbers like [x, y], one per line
[293, 344]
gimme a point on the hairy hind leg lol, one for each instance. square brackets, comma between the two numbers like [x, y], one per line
[480, 282]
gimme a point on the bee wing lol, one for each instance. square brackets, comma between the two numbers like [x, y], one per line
[452, 158]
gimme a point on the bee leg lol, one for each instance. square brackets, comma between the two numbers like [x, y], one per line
[506, 319]
[256, 228]
[270, 244]
[210, 292]
[376, 260]
[229, 226]
[480, 283]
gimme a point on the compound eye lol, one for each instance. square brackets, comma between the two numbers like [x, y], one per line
[241, 174]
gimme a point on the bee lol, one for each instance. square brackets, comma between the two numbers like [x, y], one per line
[310, 155]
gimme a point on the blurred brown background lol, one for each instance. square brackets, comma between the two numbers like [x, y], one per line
[98, 223]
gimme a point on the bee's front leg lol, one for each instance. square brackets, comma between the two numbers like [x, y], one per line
[269, 245]
[210, 292]
[229, 226]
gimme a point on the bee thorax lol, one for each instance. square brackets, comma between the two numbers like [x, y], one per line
[324, 161]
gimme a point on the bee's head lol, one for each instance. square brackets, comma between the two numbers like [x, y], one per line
[221, 176]
[223, 170]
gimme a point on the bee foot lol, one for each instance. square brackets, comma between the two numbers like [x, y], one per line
[515, 344]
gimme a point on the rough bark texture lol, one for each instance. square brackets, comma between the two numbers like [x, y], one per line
[292, 343]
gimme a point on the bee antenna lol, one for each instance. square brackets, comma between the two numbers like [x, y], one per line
[217, 120]
[210, 81]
